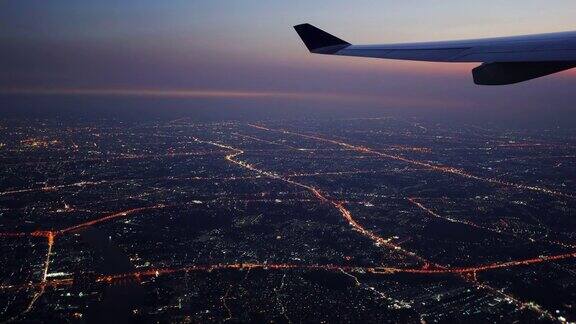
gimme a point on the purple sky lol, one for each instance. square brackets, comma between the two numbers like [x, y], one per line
[241, 49]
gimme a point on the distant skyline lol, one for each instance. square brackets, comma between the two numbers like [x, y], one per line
[249, 47]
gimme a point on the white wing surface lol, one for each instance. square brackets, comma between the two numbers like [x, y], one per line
[506, 60]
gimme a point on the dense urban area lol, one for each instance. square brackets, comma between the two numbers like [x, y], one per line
[373, 219]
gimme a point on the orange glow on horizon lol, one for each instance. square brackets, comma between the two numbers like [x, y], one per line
[397, 101]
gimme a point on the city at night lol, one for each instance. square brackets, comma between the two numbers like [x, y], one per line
[386, 219]
[197, 162]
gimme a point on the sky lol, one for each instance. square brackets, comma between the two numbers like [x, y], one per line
[246, 52]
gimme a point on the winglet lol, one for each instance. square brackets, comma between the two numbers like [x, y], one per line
[318, 41]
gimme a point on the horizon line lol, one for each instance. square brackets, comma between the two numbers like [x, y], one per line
[182, 93]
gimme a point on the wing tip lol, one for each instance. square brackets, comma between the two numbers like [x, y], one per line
[319, 41]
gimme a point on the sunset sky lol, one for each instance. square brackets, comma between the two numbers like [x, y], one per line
[246, 50]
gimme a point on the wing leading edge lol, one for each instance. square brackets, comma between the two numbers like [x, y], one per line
[506, 60]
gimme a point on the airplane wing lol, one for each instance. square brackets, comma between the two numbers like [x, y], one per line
[506, 60]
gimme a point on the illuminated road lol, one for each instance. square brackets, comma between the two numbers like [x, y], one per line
[42, 286]
[328, 267]
[320, 196]
[52, 188]
[121, 157]
[232, 155]
[438, 168]
[436, 270]
[13, 234]
[122, 214]
[334, 268]
[50, 239]
[430, 212]
[468, 274]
